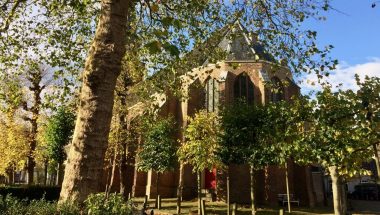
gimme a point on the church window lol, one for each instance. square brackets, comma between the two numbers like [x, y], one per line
[212, 95]
[277, 90]
[244, 88]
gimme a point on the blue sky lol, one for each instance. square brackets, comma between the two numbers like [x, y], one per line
[354, 30]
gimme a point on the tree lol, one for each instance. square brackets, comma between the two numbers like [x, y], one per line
[58, 134]
[284, 124]
[14, 138]
[245, 139]
[201, 145]
[169, 27]
[158, 152]
[336, 141]
[369, 115]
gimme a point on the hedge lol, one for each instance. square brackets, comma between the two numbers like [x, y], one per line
[34, 192]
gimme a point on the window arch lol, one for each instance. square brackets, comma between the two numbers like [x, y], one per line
[277, 90]
[244, 88]
[212, 95]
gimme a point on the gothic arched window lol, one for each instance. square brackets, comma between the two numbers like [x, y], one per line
[212, 95]
[277, 90]
[244, 88]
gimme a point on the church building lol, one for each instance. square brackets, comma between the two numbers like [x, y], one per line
[244, 73]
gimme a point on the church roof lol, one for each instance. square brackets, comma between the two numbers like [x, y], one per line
[241, 45]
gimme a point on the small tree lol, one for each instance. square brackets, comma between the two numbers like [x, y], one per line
[282, 127]
[244, 140]
[201, 145]
[159, 150]
[58, 133]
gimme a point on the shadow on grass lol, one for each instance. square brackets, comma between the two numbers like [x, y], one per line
[169, 206]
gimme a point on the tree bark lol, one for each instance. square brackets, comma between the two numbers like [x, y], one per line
[336, 190]
[59, 176]
[84, 167]
[123, 155]
[180, 187]
[287, 187]
[377, 162]
[252, 184]
[46, 172]
[108, 190]
[228, 194]
[32, 143]
[199, 192]
[35, 78]
[157, 190]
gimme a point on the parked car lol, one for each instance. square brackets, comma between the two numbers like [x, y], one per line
[366, 191]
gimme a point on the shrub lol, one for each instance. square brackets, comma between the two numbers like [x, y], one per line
[41, 207]
[68, 208]
[98, 204]
[10, 205]
[49, 193]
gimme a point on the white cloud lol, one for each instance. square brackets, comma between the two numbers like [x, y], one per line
[344, 75]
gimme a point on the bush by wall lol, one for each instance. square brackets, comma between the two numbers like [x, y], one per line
[96, 204]
[49, 193]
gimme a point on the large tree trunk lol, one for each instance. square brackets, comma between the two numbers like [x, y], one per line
[84, 167]
[252, 184]
[34, 77]
[336, 190]
[32, 144]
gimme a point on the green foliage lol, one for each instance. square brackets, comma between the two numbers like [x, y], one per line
[59, 133]
[96, 204]
[335, 136]
[284, 124]
[244, 140]
[49, 193]
[369, 114]
[68, 208]
[201, 142]
[10, 205]
[158, 152]
[114, 204]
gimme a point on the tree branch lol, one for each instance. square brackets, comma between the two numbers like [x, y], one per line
[8, 20]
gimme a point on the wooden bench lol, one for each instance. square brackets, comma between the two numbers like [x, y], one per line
[283, 198]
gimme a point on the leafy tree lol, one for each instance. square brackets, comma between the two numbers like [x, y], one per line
[336, 141]
[158, 152]
[14, 138]
[285, 121]
[245, 139]
[201, 145]
[60, 31]
[58, 134]
[369, 114]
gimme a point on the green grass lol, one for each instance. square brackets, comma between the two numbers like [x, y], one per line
[219, 208]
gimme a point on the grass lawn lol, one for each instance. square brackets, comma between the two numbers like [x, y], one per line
[219, 208]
